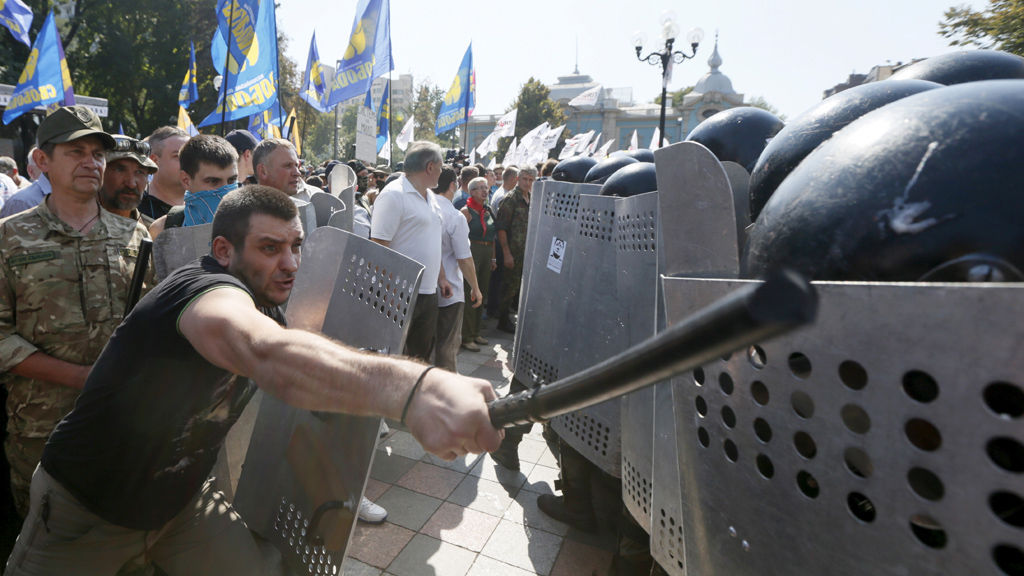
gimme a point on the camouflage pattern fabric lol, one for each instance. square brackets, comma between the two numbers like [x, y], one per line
[513, 216]
[61, 293]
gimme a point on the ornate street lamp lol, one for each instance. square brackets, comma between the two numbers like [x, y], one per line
[666, 58]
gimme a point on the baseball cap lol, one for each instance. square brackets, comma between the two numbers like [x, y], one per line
[125, 147]
[71, 123]
[242, 140]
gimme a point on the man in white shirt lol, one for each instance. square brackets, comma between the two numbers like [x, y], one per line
[457, 263]
[407, 219]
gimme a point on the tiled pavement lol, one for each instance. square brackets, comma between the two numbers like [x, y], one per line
[470, 517]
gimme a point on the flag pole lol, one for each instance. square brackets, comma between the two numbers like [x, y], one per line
[277, 73]
[391, 143]
[227, 70]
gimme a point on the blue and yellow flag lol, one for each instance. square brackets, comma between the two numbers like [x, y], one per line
[291, 128]
[185, 122]
[460, 99]
[17, 17]
[189, 92]
[42, 81]
[313, 81]
[262, 125]
[237, 21]
[254, 87]
[384, 117]
[368, 54]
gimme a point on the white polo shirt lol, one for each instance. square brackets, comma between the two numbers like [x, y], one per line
[454, 247]
[412, 224]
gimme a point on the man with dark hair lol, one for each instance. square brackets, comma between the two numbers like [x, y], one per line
[407, 219]
[125, 178]
[245, 143]
[165, 190]
[129, 466]
[65, 269]
[465, 175]
[209, 170]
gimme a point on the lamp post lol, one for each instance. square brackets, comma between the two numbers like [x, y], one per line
[666, 57]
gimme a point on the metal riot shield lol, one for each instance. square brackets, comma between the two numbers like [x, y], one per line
[175, 247]
[739, 181]
[304, 472]
[593, 329]
[547, 261]
[636, 243]
[697, 219]
[884, 439]
[325, 206]
[343, 185]
[307, 215]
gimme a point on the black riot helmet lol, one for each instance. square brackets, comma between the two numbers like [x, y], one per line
[641, 154]
[573, 169]
[965, 66]
[605, 168]
[737, 134]
[789, 147]
[925, 188]
[637, 178]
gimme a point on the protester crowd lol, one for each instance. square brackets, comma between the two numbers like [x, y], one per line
[72, 229]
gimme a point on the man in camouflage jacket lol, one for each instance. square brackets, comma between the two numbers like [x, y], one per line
[65, 270]
[513, 219]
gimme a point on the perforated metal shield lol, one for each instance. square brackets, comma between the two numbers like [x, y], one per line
[545, 287]
[636, 243]
[593, 330]
[739, 181]
[307, 215]
[304, 472]
[884, 439]
[175, 247]
[325, 206]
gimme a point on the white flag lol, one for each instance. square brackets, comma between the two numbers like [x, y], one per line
[633, 144]
[588, 98]
[385, 152]
[576, 145]
[593, 144]
[532, 136]
[655, 139]
[506, 125]
[472, 156]
[493, 163]
[405, 136]
[602, 152]
[490, 144]
[551, 137]
[510, 155]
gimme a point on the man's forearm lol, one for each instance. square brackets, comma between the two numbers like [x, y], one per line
[503, 241]
[468, 268]
[42, 366]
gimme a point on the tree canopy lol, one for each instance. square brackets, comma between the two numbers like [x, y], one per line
[535, 107]
[999, 26]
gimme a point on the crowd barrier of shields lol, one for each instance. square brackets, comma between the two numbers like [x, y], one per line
[869, 422]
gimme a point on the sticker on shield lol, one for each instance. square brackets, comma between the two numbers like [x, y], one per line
[557, 255]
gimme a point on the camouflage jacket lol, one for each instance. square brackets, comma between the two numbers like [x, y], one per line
[61, 293]
[513, 216]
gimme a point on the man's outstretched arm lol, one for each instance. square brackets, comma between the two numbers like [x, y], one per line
[448, 414]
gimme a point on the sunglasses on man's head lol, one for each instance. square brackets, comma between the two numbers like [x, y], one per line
[125, 144]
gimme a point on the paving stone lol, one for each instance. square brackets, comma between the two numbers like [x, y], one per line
[488, 469]
[524, 510]
[485, 566]
[482, 495]
[541, 480]
[403, 444]
[429, 556]
[522, 547]
[576, 558]
[378, 545]
[374, 488]
[407, 508]
[531, 450]
[461, 464]
[389, 468]
[353, 567]
[461, 526]
[430, 480]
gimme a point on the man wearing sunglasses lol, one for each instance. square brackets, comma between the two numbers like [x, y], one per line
[125, 178]
[65, 269]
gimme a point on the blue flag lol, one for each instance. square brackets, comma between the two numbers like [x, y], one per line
[254, 88]
[368, 54]
[461, 97]
[383, 117]
[42, 81]
[17, 17]
[65, 75]
[237, 21]
[189, 92]
[313, 82]
[263, 126]
[120, 129]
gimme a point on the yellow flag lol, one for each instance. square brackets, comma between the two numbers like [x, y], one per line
[185, 123]
[292, 126]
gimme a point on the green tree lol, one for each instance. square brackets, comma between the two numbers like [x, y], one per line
[676, 97]
[999, 26]
[760, 102]
[535, 107]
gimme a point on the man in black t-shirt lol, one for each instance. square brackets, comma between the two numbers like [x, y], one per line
[123, 478]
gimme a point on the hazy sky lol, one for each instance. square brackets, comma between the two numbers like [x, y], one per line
[787, 51]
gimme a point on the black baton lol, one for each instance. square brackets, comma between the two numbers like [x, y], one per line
[749, 315]
[139, 276]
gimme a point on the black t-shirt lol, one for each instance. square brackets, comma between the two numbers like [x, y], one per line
[146, 430]
[152, 206]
